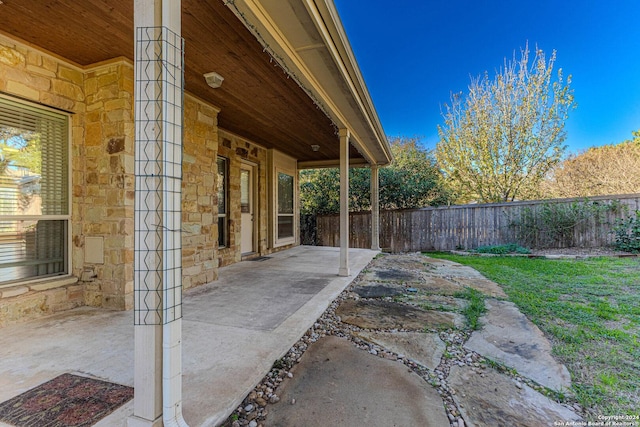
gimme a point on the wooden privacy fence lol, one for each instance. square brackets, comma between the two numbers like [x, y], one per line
[470, 226]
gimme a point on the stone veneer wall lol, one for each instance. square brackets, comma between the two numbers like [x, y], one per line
[199, 201]
[100, 99]
[31, 75]
[237, 149]
[106, 185]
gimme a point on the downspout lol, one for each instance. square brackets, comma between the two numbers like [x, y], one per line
[172, 205]
[171, 412]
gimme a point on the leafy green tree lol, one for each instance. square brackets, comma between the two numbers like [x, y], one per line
[411, 181]
[20, 149]
[500, 140]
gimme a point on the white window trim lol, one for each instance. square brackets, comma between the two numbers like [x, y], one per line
[287, 240]
[67, 217]
[226, 204]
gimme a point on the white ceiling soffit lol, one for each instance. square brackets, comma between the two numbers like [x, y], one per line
[306, 38]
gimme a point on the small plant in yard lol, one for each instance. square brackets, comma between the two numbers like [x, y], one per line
[510, 248]
[627, 233]
[475, 309]
[590, 311]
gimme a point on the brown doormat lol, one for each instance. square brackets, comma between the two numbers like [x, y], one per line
[66, 401]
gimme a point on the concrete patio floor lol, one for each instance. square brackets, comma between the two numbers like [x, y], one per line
[233, 329]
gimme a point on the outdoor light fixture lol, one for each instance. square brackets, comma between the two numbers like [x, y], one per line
[315, 147]
[213, 79]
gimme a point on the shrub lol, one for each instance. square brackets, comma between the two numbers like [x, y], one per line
[554, 224]
[627, 233]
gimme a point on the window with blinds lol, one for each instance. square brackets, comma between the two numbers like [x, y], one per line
[34, 191]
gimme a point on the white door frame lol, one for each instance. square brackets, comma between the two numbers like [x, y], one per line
[253, 201]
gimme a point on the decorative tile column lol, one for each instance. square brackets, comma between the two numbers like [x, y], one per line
[159, 93]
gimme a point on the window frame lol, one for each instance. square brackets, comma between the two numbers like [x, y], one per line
[225, 191]
[292, 215]
[67, 218]
[288, 240]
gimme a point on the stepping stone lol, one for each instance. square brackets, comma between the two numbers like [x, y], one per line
[437, 262]
[508, 337]
[404, 262]
[396, 275]
[438, 302]
[376, 314]
[378, 290]
[424, 348]
[438, 285]
[336, 384]
[496, 400]
[455, 271]
[486, 286]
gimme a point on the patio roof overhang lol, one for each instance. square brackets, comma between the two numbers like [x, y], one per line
[290, 77]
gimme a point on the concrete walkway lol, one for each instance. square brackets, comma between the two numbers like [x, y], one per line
[234, 329]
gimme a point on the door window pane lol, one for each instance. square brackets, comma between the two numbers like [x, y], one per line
[245, 191]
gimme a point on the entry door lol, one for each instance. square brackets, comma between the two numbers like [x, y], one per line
[247, 209]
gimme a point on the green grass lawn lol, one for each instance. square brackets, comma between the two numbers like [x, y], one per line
[590, 310]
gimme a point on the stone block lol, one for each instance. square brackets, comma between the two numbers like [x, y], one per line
[207, 219]
[188, 159]
[192, 271]
[205, 200]
[114, 302]
[68, 90]
[50, 64]
[129, 163]
[74, 76]
[11, 57]
[34, 58]
[75, 293]
[115, 145]
[106, 93]
[119, 115]
[93, 134]
[90, 86]
[117, 104]
[22, 90]
[53, 284]
[34, 69]
[94, 213]
[56, 296]
[13, 291]
[58, 101]
[206, 119]
[108, 79]
[97, 106]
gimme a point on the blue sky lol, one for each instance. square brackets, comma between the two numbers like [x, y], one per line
[415, 53]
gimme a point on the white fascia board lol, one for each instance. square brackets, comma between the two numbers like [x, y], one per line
[258, 20]
[336, 38]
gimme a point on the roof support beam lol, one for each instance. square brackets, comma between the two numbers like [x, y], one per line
[324, 164]
[344, 203]
[375, 208]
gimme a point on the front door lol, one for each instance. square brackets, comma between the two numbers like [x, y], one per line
[246, 209]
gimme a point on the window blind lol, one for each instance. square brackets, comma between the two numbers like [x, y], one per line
[34, 185]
